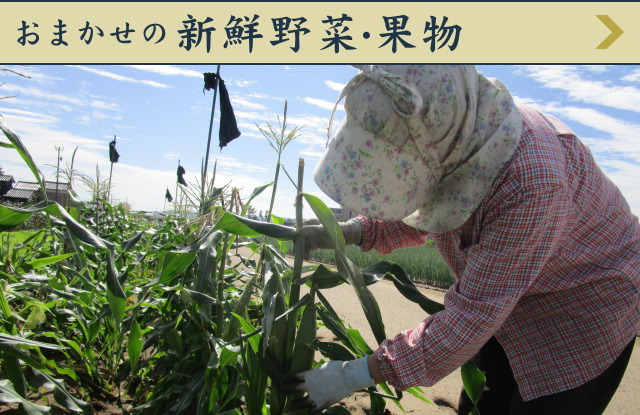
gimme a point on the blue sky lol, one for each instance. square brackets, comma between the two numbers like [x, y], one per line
[160, 115]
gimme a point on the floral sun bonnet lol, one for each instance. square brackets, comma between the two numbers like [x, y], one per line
[420, 143]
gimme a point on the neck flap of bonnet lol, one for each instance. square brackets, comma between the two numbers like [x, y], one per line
[420, 143]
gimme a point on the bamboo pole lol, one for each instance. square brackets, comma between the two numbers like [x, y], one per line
[213, 110]
[110, 174]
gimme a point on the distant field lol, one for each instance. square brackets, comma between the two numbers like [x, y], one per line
[422, 263]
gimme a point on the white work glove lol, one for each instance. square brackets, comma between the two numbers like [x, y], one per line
[330, 383]
[316, 237]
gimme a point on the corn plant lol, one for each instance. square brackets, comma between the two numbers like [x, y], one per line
[168, 319]
[278, 139]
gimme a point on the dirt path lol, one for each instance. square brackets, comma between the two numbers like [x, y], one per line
[400, 314]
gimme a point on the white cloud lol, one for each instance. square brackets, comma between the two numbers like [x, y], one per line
[258, 95]
[624, 137]
[244, 126]
[252, 135]
[311, 154]
[168, 70]
[42, 94]
[104, 105]
[578, 88]
[244, 84]
[597, 68]
[118, 77]
[252, 116]
[313, 140]
[30, 72]
[232, 165]
[336, 86]
[40, 131]
[42, 117]
[632, 77]
[617, 153]
[240, 102]
[321, 103]
[154, 84]
[311, 122]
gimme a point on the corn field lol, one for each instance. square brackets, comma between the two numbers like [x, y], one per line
[170, 318]
[423, 264]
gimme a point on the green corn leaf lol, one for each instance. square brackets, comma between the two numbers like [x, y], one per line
[257, 191]
[78, 230]
[240, 307]
[302, 357]
[242, 226]
[134, 344]
[13, 369]
[473, 381]
[206, 263]
[227, 356]
[174, 263]
[254, 341]
[60, 393]
[4, 306]
[36, 317]
[367, 300]
[13, 216]
[273, 339]
[6, 145]
[43, 262]
[115, 293]
[418, 393]
[188, 394]
[22, 150]
[7, 339]
[9, 395]
[130, 243]
[403, 283]
[326, 218]
[333, 323]
[378, 405]
[200, 298]
[333, 351]
[323, 277]
[63, 371]
[356, 338]
[348, 269]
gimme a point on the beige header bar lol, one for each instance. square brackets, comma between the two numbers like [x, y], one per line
[327, 32]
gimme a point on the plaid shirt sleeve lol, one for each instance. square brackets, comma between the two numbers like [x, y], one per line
[521, 235]
[386, 237]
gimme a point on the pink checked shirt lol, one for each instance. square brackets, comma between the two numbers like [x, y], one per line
[549, 263]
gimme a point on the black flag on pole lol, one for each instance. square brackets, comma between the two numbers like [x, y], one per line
[181, 173]
[168, 196]
[113, 153]
[228, 125]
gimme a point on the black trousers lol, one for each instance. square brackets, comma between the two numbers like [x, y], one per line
[502, 397]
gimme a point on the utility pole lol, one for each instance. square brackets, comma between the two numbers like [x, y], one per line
[57, 172]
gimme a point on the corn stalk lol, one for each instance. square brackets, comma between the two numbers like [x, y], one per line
[278, 140]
